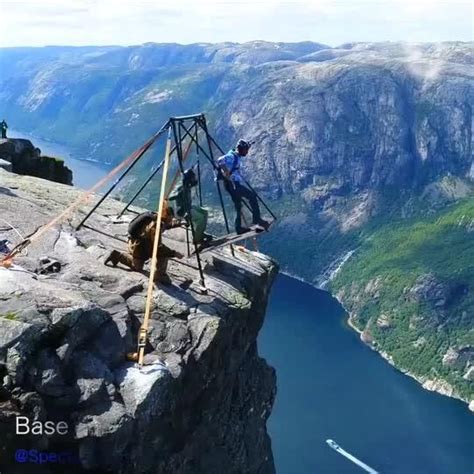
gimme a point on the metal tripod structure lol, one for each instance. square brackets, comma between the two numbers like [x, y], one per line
[179, 130]
[182, 128]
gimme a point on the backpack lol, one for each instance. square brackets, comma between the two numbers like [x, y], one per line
[221, 163]
[137, 225]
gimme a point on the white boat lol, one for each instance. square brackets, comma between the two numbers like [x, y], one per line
[333, 444]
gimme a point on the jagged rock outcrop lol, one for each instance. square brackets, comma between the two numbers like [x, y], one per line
[25, 158]
[200, 404]
[429, 290]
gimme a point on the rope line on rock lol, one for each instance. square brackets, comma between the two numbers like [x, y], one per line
[135, 155]
[12, 227]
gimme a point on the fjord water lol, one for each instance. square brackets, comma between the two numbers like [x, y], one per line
[85, 173]
[330, 385]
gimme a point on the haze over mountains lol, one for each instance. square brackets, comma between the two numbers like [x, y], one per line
[352, 144]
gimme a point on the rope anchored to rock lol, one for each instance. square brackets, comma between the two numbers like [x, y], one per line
[130, 160]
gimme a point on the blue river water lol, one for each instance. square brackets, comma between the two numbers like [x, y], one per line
[330, 385]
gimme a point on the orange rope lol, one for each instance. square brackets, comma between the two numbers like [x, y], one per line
[154, 257]
[7, 260]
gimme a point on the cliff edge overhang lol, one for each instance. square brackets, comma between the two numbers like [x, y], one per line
[200, 403]
[22, 157]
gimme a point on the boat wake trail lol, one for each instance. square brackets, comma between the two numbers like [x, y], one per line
[349, 456]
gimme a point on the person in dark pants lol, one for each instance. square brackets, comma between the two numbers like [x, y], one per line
[3, 128]
[229, 165]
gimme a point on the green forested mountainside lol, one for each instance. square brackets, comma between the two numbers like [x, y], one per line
[348, 140]
[409, 287]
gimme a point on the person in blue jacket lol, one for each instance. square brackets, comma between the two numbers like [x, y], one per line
[229, 166]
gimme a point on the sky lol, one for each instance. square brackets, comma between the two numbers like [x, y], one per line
[332, 22]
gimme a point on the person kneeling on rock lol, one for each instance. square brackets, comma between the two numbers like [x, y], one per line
[141, 235]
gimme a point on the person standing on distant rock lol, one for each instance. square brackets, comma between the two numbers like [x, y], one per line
[3, 128]
[229, 166]
[140, 246]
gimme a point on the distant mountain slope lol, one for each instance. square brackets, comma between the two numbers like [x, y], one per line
[338, 131]
[409, 288]
[92, 98]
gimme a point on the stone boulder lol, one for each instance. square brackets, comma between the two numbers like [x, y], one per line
[25, 158]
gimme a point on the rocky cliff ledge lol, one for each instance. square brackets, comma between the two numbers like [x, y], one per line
[22, 157]
[200, 404]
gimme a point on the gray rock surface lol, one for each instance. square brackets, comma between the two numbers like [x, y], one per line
[201, 402]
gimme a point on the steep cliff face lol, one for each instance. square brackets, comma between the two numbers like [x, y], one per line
[374, 118]
[20, 156]
[201, 402]
[343, 141]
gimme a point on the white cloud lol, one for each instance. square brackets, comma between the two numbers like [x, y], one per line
[79, 22]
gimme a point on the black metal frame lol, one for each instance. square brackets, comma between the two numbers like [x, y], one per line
[181, 131]
[140, 153]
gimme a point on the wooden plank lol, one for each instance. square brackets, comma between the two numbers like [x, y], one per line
[231, 239]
